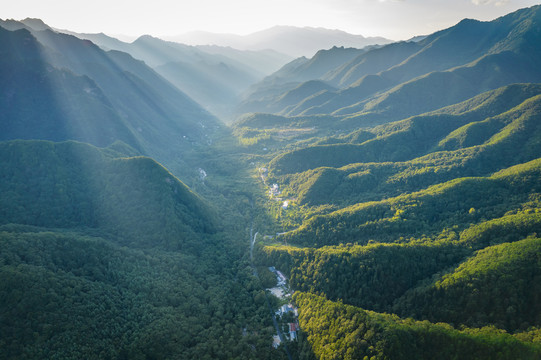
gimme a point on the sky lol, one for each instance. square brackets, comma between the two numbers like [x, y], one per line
[393, 19]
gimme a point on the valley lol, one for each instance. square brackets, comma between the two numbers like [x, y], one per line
[153, 194]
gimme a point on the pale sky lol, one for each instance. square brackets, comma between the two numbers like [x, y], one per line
[393, 19]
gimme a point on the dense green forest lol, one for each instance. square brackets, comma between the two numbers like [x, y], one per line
[433, 218]
[392, 277]
[499, 286]
[340, 331]
[396, 187]
[112, 257]
[65, 294]
[73, 184]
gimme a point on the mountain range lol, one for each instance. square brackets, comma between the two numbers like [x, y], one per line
[212, 76]
[396, 187]
[291, 40]
[104, 252]
[408, 178]
[59, 87]
[400, 79]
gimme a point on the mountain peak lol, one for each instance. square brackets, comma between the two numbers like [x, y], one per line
[145, 37]
[36, 24]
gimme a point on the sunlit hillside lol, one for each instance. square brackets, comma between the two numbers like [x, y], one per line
[161, 200]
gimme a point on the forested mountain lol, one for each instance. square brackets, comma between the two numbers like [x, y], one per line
[408, 184]
[41, 101]
[292, 75]
[396, 188]
[346, 332]
[213, 76]
[156, 52]
[74, 185]
[58, 87]
[409, 78]
[109, 256]
[511, 303]
[462, 252]
[411, 154]
[105, 253]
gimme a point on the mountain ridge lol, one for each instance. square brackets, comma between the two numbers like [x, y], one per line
[127, 90]
[504, 51]
[295, 41]
[397, 188]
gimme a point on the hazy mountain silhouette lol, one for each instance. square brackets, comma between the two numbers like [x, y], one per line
[291, 40]
[211, 75]
[28, 23]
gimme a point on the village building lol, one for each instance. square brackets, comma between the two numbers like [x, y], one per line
[293, 328]
[288, 308]
[274, 190]
[276, 341]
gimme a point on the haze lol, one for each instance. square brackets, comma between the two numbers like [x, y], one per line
[393, 19]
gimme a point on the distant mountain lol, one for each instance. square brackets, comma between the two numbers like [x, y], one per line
[28, 23]
[104, 41]
[213, 76]
[293, 74]
[213, 80]
[408, 78]
[58, 87]
[290, 40]
[371, 62]
[263, 61]
[157, 52]
[41, 101]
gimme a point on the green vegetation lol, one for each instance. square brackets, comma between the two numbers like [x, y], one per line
[339, 331]
[507, 229]
[374, 276]
[105, 256]
[370, 276]
[427, 212]
[71, 185]
[442, 279]
[498, 286]
[422, 228]
[406, 219]
[67, 294]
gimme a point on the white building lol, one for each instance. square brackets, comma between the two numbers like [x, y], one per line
[274, 190]
[276, 341]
